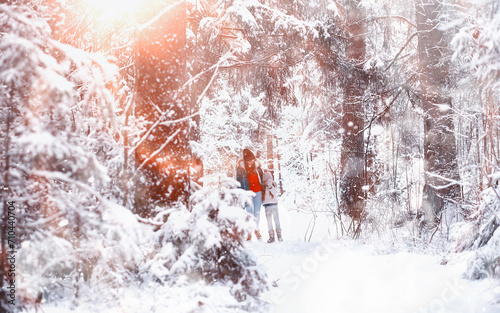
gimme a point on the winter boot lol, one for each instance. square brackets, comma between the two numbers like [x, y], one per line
[249, 237]
[278, 232]
[258, 235]
[271, 236]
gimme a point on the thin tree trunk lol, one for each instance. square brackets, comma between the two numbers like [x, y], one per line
[270, 153]
[280, 179]
[128, 111]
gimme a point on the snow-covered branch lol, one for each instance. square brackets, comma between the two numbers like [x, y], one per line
[169, 139]
[159, 15]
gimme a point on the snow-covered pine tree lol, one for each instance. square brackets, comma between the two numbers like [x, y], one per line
[208, 243]
[476, 47]
[57, 125]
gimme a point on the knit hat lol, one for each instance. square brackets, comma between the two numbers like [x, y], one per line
[248, 155]
[267, 175]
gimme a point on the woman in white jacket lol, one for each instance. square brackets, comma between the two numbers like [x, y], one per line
[270, 203]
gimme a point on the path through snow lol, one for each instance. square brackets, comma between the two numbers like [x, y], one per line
[346, 277]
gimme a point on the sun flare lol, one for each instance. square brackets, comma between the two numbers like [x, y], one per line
[115, 9]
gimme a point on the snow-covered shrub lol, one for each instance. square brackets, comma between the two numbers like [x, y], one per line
[462, 236]
[486, 235]
[207, 243]
[101, 259]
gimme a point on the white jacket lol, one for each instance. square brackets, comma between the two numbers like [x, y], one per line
[270, 189]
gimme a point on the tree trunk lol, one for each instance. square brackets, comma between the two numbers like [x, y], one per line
[441, 187]
[352, 195]
[163, 156]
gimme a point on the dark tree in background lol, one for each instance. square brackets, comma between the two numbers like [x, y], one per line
[441, 187]
[162, 155]
[352, 195]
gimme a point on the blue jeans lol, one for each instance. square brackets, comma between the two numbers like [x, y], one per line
[272, 211]
[255, 209]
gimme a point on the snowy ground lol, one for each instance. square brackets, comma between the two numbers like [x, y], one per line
[325, 275]
[328, 276]
[347, 277]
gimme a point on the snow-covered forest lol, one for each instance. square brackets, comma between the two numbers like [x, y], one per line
[123, 123]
